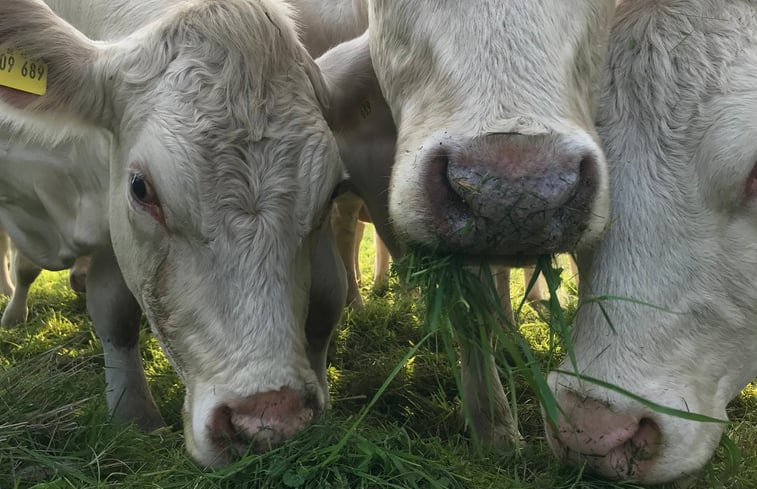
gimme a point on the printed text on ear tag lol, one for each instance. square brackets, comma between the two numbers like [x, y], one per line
[19, 72]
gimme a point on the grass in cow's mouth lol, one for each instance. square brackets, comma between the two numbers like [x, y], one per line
[462, 304]
[54, 432]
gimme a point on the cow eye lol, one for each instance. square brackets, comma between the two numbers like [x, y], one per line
[142, 191]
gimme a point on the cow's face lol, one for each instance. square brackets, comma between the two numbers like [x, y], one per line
[494, 104]
[678, 119]
[221, 171]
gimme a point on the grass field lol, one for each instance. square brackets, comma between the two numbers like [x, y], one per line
[54, 431]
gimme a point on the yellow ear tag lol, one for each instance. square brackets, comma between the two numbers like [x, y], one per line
[19, 72]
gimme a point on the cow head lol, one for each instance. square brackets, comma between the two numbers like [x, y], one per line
[221, 170]
[494, 104]
[678, 118]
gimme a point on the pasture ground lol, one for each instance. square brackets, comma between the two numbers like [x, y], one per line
[55, 433]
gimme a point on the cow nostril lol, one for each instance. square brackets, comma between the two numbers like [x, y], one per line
[311, 404]
[581, 193]
[613, 444]
[645, 443]
[261, 421]
[448, 185]
[587, 170]
[224, 434]
[444, 185]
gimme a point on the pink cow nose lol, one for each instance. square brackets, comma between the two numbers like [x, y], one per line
[512, 194]
[260, 422]
[613, 444]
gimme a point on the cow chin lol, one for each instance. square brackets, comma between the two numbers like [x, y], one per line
[220, 426]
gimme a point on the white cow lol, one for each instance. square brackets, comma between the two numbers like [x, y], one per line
[324, 24]
[494, 104]
[496, 148]
[77, 275]
[348, 218]
[487, 144]
[196, 168]
[678, 119]
[381, 260]
[25, 272]
[6, 283]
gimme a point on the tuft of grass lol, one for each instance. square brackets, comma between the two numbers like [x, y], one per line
[462, 306]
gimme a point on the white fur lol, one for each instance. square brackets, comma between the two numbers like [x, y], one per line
[465, 81]
[527, 66]
[678, 118]
[462, 69]
[221, 107]
[6, 284]
[325, 23]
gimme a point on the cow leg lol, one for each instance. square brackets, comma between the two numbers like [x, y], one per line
[359, 230]
[482, 392]
[502, 283]
[492, 421]
[327, 295]
[25, 272]
[381, 264]
[538, 292]
[573, 268]
[344, 216]
[6, 285]
[77, 276]
[115, 316]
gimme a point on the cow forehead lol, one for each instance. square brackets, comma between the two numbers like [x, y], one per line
[510, 29]
[533, 15]
[222, 114]
[214, 173]
[238, 54]
[522, 53]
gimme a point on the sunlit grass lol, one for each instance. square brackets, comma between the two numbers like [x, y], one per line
[750, 391]
[54, 431]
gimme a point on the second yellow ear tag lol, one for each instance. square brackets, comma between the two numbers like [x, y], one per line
[19, 72]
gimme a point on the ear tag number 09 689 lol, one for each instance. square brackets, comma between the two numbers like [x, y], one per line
[22, 73]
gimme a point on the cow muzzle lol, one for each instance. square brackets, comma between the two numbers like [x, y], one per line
[619, 438]
[615, 444]
[234, 427]
[512, 195]
[260, 422]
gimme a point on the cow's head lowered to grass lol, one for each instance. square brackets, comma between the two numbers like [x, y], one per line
[678, 119]
[494, 104]
[221, 170]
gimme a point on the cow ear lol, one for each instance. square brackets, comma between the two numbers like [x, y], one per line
[76, 67]
[318, 83]
[350, 80]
